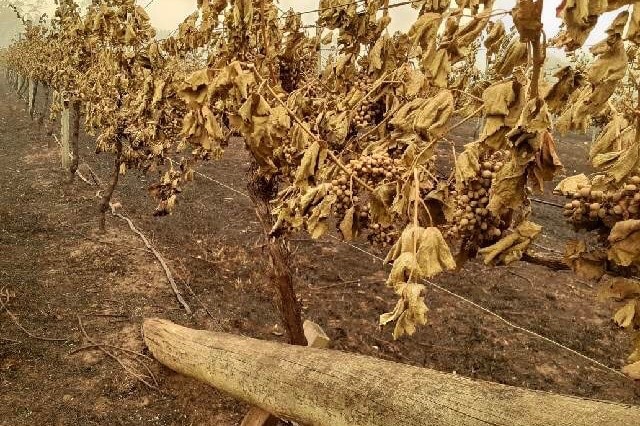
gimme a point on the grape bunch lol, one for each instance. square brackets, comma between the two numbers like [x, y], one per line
[294, 71]
[370, 111]
[472, 220]
[289, 75]
[382, 236]
[373, 169]
[589, 205]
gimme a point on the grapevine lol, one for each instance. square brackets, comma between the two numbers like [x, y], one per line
[355, 144]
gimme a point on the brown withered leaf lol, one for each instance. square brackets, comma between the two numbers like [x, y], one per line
[380, 202]
[409, 311]
[468, 164]
[513, 246]
[571, 184]
[547, 163]
[433, 255]
[464, 36]
[434, 115]
[625, 243]
[494, 37]
[627, 316]
[347, 225]
[632, 370]
[508, 188]
[423, 32]
[317, 224]
[314, 157]
[620, 164]
[514, 56]
[611, 138]
[618, 288]
[633, 30]
[585, 264]
[196, 87]
[437, 65]
[560, 93]
[526, 18]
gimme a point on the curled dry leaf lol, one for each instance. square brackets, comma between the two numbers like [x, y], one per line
[513, 246]
[619, 288]
[627, 316]
[409, 311]
[419, 253]
[570, 185]
[625, 243]
[586, 264]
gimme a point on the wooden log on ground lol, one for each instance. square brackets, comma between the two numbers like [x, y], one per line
[331, 388]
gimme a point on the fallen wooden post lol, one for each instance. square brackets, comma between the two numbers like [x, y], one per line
[332, 388]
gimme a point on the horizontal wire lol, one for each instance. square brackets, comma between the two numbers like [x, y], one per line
[464, 299]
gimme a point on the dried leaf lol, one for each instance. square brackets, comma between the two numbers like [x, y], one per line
[513, 246]
[626, 316]
[619, 288]
[570, 185]
[347, 225]
[625, 243]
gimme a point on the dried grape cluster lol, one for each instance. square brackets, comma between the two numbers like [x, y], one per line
[375, 169]
[472, 220]
[294, 72]
[591, 205]
[370, 111]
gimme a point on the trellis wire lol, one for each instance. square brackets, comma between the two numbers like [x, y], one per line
[460, 297]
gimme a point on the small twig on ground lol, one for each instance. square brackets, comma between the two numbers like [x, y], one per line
[4, 339]
[84, 179]
[109, 315]
[158, 256]
[527, 279]
[101, 347]
[106, 345]
[549, 249]
[548, 203]
[185, 282]
[326, 287]
[27, 332]
[94, 176]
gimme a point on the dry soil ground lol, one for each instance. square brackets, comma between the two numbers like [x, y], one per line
[57, 270]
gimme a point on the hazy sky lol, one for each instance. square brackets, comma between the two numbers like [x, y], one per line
[167, 14]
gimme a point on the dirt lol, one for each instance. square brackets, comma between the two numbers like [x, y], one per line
[58, 271]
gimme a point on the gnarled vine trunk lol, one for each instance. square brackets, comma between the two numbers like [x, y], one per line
[31, 100]
[70, 131]
[104, 206]
[262, 191]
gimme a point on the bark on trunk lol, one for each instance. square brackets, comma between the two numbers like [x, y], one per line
[70, 122]
[23, 87]
[45, 105]
[33, 91]
[75, 135]
[332, 388]
[262, 191]
[65, 136]
[108, 191]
